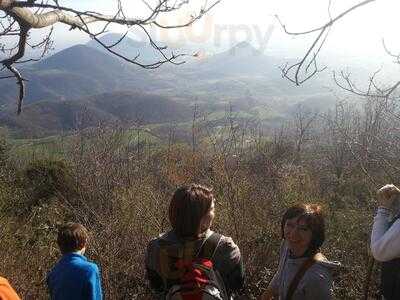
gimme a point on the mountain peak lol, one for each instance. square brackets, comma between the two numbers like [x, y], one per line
[77, 58]
[112, 38]
[128, 47]
[244, 49]
[243, 44]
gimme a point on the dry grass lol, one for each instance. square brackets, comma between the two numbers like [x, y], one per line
[121, 194]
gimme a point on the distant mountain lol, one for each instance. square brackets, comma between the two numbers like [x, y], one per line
[241, 60]
[229, 75]
[50, 85]
[46, 118]
[82, 71]
[140, 108]
[242, 76]
[129, 47]
[83, 60]
[76, 72]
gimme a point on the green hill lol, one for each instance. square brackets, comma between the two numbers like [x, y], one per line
[46, 118]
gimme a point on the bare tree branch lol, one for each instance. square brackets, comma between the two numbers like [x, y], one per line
[374, 90]
[20, 82]
[293, 72]
[18, 17]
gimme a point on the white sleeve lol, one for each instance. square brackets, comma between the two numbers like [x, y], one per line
[385, 241]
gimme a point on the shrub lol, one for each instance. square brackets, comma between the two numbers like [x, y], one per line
[46, 179]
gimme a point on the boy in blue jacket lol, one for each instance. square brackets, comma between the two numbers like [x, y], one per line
[74, 277]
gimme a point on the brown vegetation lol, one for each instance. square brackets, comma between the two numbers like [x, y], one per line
[121, 193]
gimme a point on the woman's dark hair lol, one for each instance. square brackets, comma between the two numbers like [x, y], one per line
[72, 237]
[188, 206]
[314, 219]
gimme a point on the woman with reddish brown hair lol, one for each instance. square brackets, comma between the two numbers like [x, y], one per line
[303, 272]
[191, 259]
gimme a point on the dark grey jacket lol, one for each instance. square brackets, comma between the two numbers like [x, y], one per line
[226, 260]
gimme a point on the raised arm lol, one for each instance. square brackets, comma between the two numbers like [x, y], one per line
[385, 239]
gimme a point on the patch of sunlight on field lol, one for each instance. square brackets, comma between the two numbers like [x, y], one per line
[44, 148]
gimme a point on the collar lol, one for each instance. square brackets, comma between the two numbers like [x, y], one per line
[71, 255]
[201, 236]
[308, 253]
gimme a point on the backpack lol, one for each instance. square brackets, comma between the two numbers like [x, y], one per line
[390, 276]
[188, 275]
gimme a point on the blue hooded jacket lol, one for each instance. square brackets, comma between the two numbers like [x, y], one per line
[74, 277]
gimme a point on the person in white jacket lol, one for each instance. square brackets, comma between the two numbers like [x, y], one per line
[385, 240]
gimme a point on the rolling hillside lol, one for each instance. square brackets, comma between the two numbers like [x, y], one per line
[46, 118]
[77, 72]
[84, 80]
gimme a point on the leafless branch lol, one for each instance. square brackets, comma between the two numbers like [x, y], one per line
[293, 72]
[390, 53]
[18, 17]
[20, 82]
[373, 90]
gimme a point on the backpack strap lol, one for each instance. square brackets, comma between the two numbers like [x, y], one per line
[209, 246]
[299, 275]
[396, 217]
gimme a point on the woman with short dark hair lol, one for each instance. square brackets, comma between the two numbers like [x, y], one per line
[303, 272]
[176, 259]
[187, 208]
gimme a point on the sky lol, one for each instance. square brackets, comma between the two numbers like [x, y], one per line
[363, 29]
[358, 35]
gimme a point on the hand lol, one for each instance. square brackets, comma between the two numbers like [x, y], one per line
[387, 194]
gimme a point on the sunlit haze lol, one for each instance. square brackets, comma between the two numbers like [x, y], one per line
[361, 30]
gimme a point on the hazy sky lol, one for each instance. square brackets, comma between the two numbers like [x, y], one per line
[361, 32]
